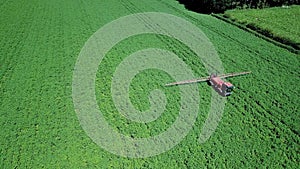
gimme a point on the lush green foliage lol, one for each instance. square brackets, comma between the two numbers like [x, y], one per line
[40, 42]
[208, 6]
[281, 23]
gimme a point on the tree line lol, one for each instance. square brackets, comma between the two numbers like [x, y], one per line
[218, 6]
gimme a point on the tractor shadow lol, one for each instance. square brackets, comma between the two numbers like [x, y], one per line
[216, 89]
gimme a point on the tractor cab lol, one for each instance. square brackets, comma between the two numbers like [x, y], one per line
[228, 89]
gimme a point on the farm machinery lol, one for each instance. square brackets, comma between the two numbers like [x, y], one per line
[222, 87]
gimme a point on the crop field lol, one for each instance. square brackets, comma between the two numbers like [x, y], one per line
[41, 41]
[279, 22]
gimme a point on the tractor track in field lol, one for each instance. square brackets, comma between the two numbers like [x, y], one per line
[210, 28]
[134, 9]
[271, 117]
[267, 59]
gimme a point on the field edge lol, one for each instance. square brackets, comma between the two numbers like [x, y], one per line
[261, 33]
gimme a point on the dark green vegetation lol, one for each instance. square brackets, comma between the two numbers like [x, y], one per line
[280, 23]
[217, 6]
[40, 42]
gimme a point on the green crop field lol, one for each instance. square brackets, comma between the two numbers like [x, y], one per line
[41, 41]
[280, 22]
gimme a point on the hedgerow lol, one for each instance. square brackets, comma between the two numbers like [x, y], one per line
[217, 6]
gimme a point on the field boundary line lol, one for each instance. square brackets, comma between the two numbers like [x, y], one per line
[256, 33]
